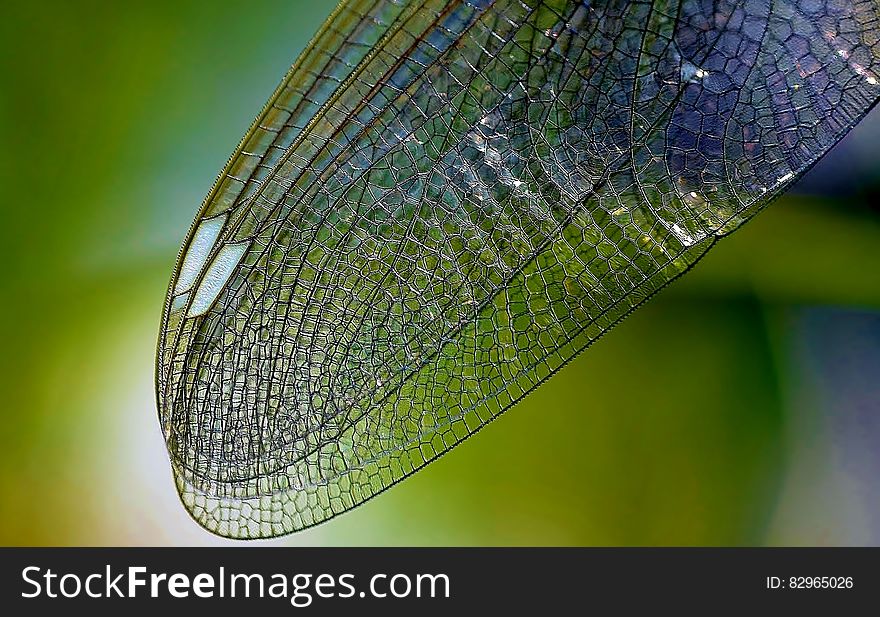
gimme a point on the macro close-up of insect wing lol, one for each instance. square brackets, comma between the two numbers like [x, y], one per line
[444, 202]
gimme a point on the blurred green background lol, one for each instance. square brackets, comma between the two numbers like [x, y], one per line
[739, 407]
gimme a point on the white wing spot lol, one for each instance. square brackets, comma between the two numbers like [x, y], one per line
[216, 277]
[179, 301]
[197, 253]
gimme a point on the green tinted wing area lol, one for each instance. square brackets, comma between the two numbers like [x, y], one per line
[445, 202]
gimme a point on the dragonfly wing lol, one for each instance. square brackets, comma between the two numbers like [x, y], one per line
[445, 202]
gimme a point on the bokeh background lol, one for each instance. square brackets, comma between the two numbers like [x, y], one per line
[741, 406]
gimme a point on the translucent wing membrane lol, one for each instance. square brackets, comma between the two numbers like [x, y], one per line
[444, 202]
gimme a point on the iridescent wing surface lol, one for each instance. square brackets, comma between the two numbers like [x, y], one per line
[444, 202]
